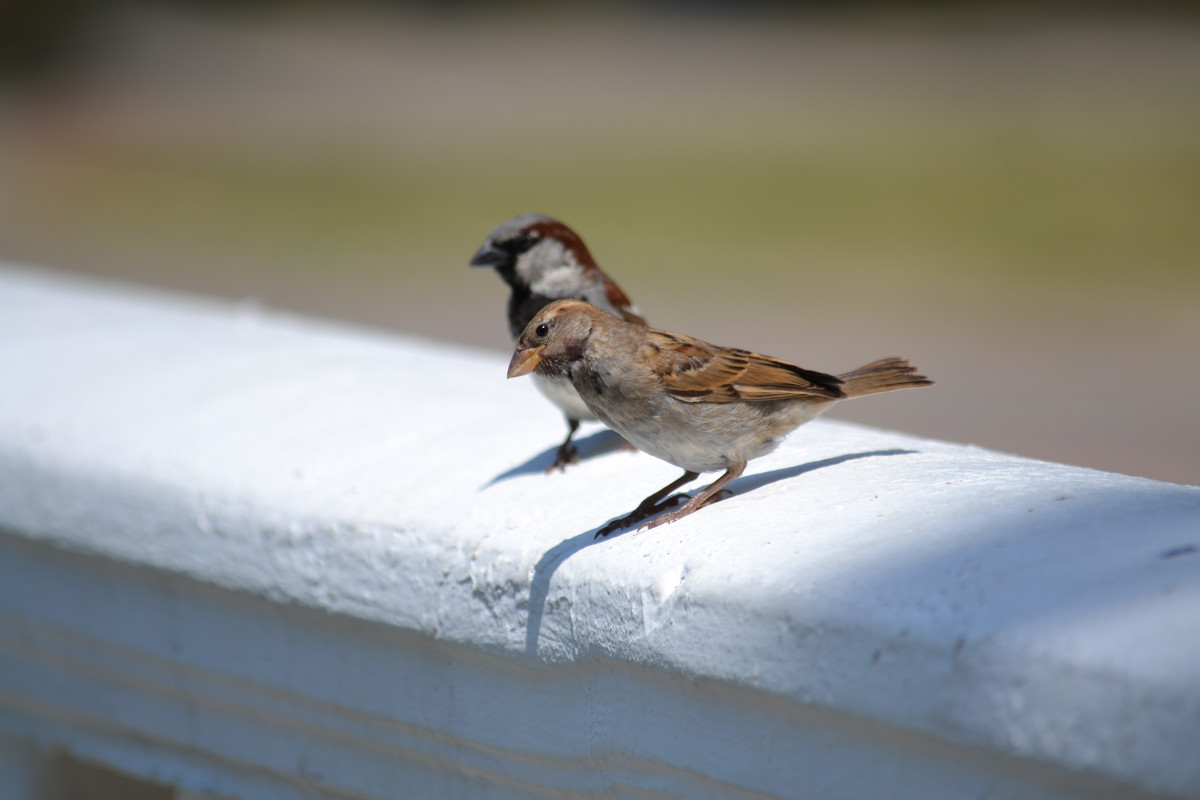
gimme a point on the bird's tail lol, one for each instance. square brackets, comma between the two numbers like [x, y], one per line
[883, 375]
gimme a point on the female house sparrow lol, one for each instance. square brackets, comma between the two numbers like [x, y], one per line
[699, 406]
[543, 260]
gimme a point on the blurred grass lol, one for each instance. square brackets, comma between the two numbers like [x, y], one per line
[1006, 154]
[1016, 210]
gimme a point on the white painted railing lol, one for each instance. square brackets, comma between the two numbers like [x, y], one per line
[250, 555]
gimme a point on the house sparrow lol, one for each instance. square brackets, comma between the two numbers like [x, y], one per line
[543, 260]
[699, 406]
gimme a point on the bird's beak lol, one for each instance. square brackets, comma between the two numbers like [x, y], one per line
[489, 256]
[524, 361]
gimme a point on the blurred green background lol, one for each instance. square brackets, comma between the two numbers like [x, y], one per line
[1008, 195]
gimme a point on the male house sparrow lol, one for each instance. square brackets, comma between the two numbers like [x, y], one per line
[543, 260]
[699, 406]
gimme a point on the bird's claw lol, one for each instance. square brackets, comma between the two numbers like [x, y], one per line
[663, 519]
[639, 514]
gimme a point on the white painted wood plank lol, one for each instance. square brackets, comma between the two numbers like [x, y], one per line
[256, 554]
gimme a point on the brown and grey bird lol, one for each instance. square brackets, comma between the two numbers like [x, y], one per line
[542, 260]
[696, 405]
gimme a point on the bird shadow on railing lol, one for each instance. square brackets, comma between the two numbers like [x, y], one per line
[543, 571]
[592, 446]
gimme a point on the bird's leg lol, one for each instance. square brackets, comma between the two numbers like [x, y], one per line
[566, 451]
[710, 495]
[649, 506]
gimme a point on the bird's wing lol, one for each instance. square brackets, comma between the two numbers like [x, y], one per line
[698, 372]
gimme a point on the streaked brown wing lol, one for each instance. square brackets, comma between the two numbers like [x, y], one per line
[698, 372]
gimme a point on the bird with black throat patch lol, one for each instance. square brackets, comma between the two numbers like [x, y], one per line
[696, 405]
[543, 260]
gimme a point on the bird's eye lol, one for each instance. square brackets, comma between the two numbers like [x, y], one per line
[542, 330]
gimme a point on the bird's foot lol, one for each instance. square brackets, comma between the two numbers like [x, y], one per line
[688, 509]
[566, 454]
[640, 513]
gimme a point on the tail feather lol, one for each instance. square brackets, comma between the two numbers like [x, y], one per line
[883, 375]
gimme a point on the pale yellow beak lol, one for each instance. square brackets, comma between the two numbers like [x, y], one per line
[524, 361]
